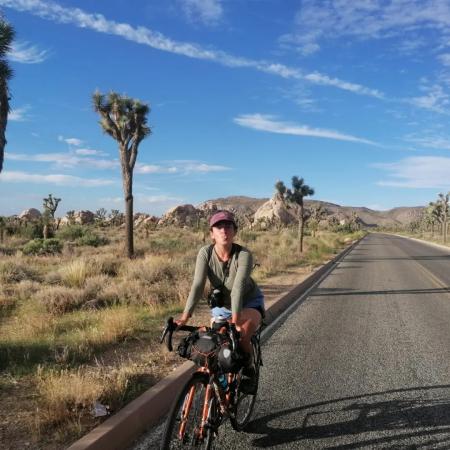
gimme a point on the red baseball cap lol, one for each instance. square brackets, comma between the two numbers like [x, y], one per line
[222, 216]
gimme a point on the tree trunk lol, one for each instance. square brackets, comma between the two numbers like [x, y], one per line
[128, 191]
[4, 108]
[45, 231]
[302, 224]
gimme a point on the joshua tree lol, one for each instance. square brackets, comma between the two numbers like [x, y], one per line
[115, 217]
[50, 204]
[100, 216]
[6, 38]
[281, 189]
[317, 214]
[443, 201]
[71, 216]
[125, 120]
[295, 195]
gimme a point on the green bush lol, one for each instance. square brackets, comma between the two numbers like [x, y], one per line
[42, 247]
[92, 239]
[33, 230]
[72, 232]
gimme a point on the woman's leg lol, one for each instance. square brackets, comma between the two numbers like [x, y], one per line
[249, 321]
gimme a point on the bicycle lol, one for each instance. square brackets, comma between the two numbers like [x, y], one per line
[213, 393]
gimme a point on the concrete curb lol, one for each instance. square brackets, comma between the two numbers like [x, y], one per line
[119, 431]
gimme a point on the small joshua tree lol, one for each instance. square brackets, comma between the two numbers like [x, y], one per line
[48, 217]
[295, 195]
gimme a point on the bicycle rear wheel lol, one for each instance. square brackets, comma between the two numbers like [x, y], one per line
[246, 402]
[186, 427]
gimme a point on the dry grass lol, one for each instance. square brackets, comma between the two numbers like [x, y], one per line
[75, 273]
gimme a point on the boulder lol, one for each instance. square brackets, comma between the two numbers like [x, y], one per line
[141, 219]
[84, 217]
[183, 215]
[30, 214]
[275, 212]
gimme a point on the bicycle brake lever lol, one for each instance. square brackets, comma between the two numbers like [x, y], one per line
[168, 332]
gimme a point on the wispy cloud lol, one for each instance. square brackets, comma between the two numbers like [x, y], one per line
[84, 158]
[26, 53]
[263, 122]
[89, 152]
[19, 114]
[154, 168]
[145, 36]
[66, 160]
[316, 22]
[444, 58]
[417, 172]
[56, 179]
[180, 167]
[208, 12]
[71, 141]
[157, 204]
[435, 99]
[436, 142]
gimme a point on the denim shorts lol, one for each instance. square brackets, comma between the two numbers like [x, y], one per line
[256, 303]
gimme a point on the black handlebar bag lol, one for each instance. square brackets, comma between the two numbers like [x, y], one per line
[202, 347]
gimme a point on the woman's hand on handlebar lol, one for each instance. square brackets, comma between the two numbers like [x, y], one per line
[183, 320]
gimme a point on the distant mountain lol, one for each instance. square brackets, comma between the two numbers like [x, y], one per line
[397, 216]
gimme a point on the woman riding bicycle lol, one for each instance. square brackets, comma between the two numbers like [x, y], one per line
[228, 267]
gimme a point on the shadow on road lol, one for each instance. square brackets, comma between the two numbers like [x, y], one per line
[415, 414]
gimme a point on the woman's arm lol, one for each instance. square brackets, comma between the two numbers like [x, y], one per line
[198, 284]
[244, 270]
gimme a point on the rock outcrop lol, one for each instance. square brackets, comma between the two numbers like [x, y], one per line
[183, 215]
[84, 217]
[275, 212]
[30, 214]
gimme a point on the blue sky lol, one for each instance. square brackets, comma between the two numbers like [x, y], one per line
[352, 96]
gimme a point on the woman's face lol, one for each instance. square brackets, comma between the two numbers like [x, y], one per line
[223, 232]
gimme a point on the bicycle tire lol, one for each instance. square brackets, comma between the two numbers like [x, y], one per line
[246, 402]
[171, 438]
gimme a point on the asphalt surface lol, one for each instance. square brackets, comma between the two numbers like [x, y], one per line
[363, 362]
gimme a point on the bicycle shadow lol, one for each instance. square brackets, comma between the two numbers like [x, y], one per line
[392, 419]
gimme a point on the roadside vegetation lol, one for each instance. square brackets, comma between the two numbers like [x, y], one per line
[79, 322]
[432, 224]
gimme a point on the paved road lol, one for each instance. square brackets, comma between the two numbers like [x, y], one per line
[364, 361]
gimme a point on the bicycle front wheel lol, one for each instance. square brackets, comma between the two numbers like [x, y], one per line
[188, 425]
[246, 402]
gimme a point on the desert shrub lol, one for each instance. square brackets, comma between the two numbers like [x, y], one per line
[66, 395]
[42, 247]
[75, 273]
[15, 272]
[8, 251]
[25, 289]
[150, 269]
[247, 236]
[60, 299]
[32, 230]
[107, 265]
[92, 239]
[71, 232]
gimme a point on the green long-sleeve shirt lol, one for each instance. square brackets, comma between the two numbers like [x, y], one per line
[238, 288]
